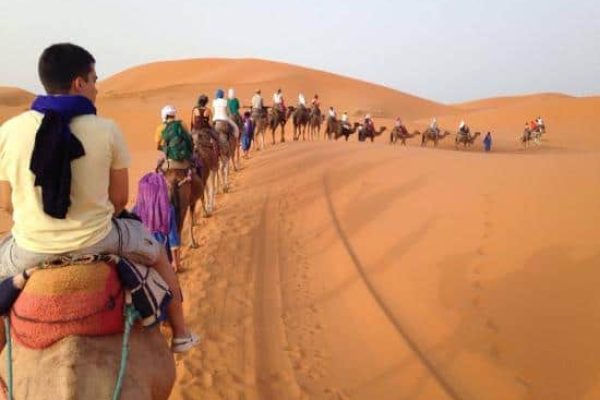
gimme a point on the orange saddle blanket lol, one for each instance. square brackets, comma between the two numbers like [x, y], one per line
[82, 300]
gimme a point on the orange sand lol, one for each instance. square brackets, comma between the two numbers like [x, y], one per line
[366, 271]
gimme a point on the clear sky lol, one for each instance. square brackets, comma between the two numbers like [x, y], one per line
[444, 50]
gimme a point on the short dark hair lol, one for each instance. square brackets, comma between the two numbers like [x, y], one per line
[60, 64]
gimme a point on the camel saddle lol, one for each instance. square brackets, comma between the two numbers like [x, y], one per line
[74, 300]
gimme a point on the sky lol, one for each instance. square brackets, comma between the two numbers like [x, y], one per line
[443, 50]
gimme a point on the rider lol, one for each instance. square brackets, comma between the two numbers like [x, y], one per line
[398, 122]
[368, 122]
[220, 112]
[463, 129]
[173, 140]
[533, 126]
[201, 114]
[50, 222]
[278, 101]
[434, 126]
[540, 123]
[331, 113]
[301, 101]
[257, 105]
[345, 122]
[233, 107]
[315, 103]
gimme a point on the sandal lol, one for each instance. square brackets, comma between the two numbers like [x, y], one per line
[183, 344]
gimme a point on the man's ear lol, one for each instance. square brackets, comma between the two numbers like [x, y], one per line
[76, 85]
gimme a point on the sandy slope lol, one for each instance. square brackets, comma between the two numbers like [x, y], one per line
[366, 271]
[400, 273]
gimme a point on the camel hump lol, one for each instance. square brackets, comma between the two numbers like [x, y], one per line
[86, 368]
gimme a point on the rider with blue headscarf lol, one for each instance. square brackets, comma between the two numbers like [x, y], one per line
[220, 111]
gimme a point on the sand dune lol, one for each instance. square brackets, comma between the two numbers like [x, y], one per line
[366, 271]
[13, 101]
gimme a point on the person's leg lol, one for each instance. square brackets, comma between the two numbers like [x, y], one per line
[175, 309]
[139, 246]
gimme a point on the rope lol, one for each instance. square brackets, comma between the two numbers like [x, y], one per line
[9, 370]
[130, 316]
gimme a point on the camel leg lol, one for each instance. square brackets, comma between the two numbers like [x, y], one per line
[273, 133]
[210, 193]
[194, 244]
[282, 134]
[225, 174]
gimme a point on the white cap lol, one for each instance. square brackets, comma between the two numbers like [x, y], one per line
[167, 111]
[368, 116]
[231, 93]
[462, 123]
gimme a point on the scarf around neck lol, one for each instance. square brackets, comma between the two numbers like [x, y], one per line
[55, 147]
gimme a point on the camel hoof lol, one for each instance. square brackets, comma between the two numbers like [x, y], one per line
[225, 190]
[194, 246]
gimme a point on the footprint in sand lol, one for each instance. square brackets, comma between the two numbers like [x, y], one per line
[491, 325]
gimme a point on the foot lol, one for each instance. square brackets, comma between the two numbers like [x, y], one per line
[183, 344]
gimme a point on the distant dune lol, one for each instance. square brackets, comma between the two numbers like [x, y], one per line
[12, 101]
[246, 75]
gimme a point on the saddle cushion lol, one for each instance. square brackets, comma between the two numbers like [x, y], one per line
[76, 300]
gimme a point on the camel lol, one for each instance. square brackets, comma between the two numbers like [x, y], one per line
[331, 127]
[465, 139]
[300, 119]
[529, 135]
[185, 190]
[400, 132]
[364, 134]
[344, 131]
[85, 367]
[224, 141]
[261, 120]
[207, 155]
[314, 123]
[278, 118]
[430, 135]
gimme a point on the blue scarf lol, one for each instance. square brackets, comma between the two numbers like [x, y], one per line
[55, 148]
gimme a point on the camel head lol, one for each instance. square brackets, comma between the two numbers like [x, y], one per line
[380, 131]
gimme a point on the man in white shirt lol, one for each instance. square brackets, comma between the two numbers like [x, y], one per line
[278, 100]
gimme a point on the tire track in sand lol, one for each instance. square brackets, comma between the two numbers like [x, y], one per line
[441, 380]
[276, 378]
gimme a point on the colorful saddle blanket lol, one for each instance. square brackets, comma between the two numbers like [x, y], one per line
[84, 300]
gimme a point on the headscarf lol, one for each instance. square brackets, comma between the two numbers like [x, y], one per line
[152, 203]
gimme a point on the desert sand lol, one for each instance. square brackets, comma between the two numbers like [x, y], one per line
[354, 270]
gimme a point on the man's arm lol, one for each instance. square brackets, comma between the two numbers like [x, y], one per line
[118, 189]
[6, 197]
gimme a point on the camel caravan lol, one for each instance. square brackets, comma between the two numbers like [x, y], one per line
[85, 283]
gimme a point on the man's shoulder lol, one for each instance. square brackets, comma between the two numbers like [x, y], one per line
[28, 117]
[96, 124]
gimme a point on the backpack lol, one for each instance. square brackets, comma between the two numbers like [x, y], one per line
[177, 142]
